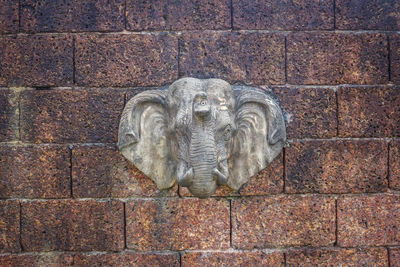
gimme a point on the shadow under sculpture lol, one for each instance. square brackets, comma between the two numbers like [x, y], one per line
[204, 133]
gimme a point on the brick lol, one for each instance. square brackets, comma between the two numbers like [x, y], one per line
[34, 171]
[64, 116]
[9, 230]
[8, 16]
[72, 225]
[367, 15]
[104, 172]
[368, 220]
[73, 15]
[255, 58]
[369, 112]
[395, 58]
[311, 111]
[258, 258]
[126, 59]
[337, 58]
[260, 222]
[394, 165]
[283, 15]
[345, 166]
[177, 224]
[52, 259]
[127, 259]
[39, 60]
[394, 256]
[267, 181]
[9, 115]
[178, 15]
[337, 257]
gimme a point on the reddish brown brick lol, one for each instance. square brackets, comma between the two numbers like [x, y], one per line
[282, 15]
[337, 257]
[395, 58]
[256, 58]
[337, 58]
[336, 166]
[9, 115]
[369, 220]
[40, 60]
[104, 172]
[368, 15]
[75, 15]
[394, 255]
[369, 112]
[127, 259]
[72, 225]
[62, 116]
[283, 221]
[394, 165]
[126, 59]
[177, 224]
[9, 230]
[236, 258]
[311, 111]
[267, 181]
[51, 259]
[8, 16]
[34, 171]
[178, 15]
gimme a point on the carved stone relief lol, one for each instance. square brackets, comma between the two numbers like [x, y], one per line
[203, 133]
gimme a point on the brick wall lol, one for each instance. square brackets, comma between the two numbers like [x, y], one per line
[69, 198]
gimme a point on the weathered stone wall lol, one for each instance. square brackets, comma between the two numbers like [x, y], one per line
[69, 198]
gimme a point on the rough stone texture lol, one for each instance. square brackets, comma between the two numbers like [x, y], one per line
[369, 112]
[126, 59]
[368, 14]
[267, 181]
[40, 60]
[311, 112]
[9, 115]
[177, 224]
[338, 257]
[178, 15]
[283, 15]
[104, 172]
[34, 171]
[127, 259]
[8, 16]
[62, 116]
[73, 15]
[283, 221]
[395, 58]
[336, 166]
[394, 165]
[337, 58]
[394, 255]
[244, 259]
[72, 225]
[51, 259]
[368, 220]
[252, 58]
[9, 222]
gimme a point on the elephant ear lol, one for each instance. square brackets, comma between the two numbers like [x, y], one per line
[142, 137]
[260, 134]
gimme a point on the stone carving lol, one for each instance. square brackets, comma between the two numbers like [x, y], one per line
[204, 133]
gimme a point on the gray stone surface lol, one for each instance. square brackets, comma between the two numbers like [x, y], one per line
[203, 133]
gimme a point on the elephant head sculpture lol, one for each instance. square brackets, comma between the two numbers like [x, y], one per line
[203, 133]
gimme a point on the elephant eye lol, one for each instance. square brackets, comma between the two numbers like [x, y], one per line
[227, 132]
[203, 102]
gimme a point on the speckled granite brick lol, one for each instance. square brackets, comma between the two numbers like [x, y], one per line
[394, 255]
[346, 166]
[50, 259]
[9, 115]
[9, 230]
[177, 224]
[178, 15]
[394, 165]
[8, 16]
[368, 220]
[395, 57]
[260, 222]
